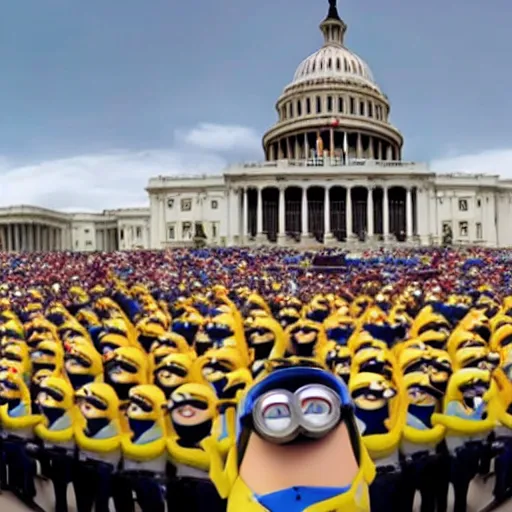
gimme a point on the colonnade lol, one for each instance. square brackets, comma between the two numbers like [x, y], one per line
[30, 237]
[305, 145]
[341, 213]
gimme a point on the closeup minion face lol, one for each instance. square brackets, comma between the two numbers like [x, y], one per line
[192, 410]
[54, 399]
[371, 392]
[148, 333]
[219, 329]
[476, 357]
[48, 355]
[15, 355]
[145, 408]
[421, 393]
[172, 372]
[261, 335]
[288, 316]
[82, 363]
[166, 344]
[303, 337]
[98, 404]
[125, 368]
[377, 361]
[339, 361]
[474, 391]
[10, 387]
[215, 366]
[436, 364]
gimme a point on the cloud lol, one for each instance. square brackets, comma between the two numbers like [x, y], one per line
[117, 179]
[215, 137]
[496, 162]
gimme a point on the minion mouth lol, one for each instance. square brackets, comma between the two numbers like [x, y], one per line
[473, 394]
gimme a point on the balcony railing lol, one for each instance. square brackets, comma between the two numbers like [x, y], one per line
[330, 162]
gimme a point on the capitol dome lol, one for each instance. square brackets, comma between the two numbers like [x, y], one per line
[335, 62]
[335, 104]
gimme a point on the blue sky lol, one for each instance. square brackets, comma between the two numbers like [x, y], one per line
[133, 88]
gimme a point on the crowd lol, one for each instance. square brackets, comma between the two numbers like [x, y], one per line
[128, 375]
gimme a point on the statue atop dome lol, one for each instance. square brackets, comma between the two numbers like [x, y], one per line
[333, 10]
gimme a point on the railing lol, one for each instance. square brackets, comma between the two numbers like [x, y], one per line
[329, 162]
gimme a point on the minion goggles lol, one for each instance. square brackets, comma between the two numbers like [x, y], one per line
[319, 402]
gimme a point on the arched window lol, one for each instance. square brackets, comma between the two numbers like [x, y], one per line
[345, 62]
[329, 64]
[299, 108]
[338, 64]
[329, 104]
[340, 105]
[308, 106]
[370, 109]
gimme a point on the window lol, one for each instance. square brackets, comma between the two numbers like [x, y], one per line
[171, 233]
[478, 203]
[88, 243]
[170, 204]
[186, 205]
[463, 228]
[215, 205]
[138, 232]
[329, 103]
[187, 231]
[352, 106]
[318, 105]
[463, 205]
[87, 231]
[121, 234]
[340, 104]
[290, 106]
[370, 109]
[361, 108]
[338, 64]
[479, 233]
[308, 106]
[299, 108]
[214, 230]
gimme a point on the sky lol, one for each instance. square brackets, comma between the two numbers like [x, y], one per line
[97, 96]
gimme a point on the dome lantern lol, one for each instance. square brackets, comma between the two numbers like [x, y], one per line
[333, 27]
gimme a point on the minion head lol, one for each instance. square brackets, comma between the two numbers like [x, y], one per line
[470, 387]
[125, 368]
[372, 394]
[173, 371]
[192, 409]
[262, 334]
[338, 328]
[148, 332]
[98, 405]
[436, 364]
[339, 361]
[423, 398]
[13, 390]
[379, 361]
[501, 337]
[301, 415]
[145, 410]
[168, 343]
[88, 318]
[187, 325]
[55, 398]
[461, 338]
[318, 309]
[48, 355]
[82, 364]
[304, 338]
[287, 316]
[15, 355]
[476, 357]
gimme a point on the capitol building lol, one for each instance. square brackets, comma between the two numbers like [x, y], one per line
[332, 174]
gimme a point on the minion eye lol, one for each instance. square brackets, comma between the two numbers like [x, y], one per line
[273, 416]
[320, 407]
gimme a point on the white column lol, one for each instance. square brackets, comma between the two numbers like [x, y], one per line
[327, 215]
[9, 238]
[3, 237]
[259, 213]
[30, 236]
[408, 212]
[306, 145]
[245, 220]
[385, 212]
[282, 215]
[369, 213]
[348, 213]
[16, 237]
[305, 220]
[162, 235]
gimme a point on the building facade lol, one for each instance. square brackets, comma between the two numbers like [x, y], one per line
[332, 174]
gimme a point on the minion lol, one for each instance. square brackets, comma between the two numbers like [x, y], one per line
[380, 416]
[144, 446]
[18, 422]
[339, 361]
[173, 371]
[188, 325]
[98, 435]
[15, 354]
[277, 415]
[56, 405]
[420, 442]
[168, 343]
[287, 316]
[123, 369]
[266, 340]
[82, 364]
[192, 413]
[339, 328]
[48, 355]
[148, 332]
[468, 421]
[306, 339]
